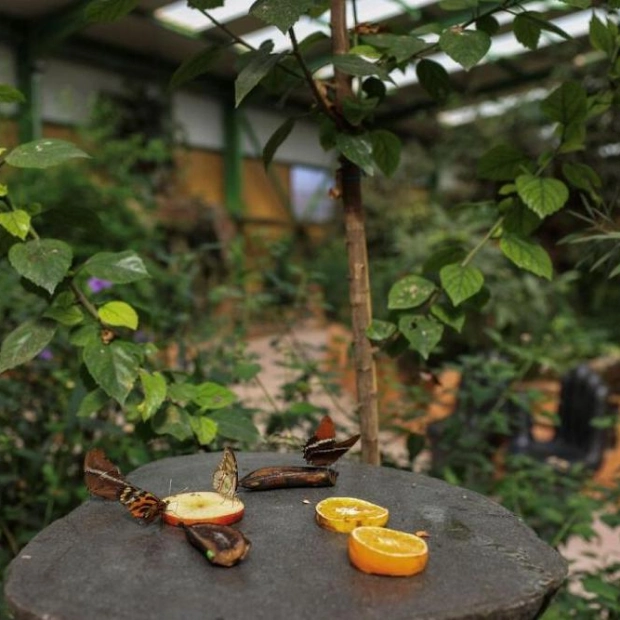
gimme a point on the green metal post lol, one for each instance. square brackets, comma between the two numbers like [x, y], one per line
[29, 83]
[233, 161]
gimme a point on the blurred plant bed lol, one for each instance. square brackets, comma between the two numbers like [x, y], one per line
[408, 398]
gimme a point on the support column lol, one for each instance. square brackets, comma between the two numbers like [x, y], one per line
[29, 77]
[233, 160]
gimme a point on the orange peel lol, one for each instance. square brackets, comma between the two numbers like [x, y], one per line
[382, 551]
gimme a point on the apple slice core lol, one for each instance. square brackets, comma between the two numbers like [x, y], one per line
[202, 507]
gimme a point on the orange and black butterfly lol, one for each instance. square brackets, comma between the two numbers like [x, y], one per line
[322, 449]
[226, 476]
[105, 480]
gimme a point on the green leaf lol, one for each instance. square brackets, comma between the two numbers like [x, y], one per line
[357, 110]
[434, 79]
[81, 336]
[357, 149]
[118, 313]
[488, 24]
[460, 283]
[452, 253]
[246, 371]
[467, 47]
[65, 310]
[260, 64]
[277, 138]
[154, 387]
[181, 393]
[357, 66]
[380, 330]
[386, 149]
[581, 176]
[604, 590]
[457, 5]
[45, 262]
[204, 428]
[235, 425]
[213, 396]
[109, 10]
[25, 342]
[524, 253]
[543, 196]
[43, 153]
[194, 66]
[16, 223]
[205, 4]
[602, 36]
[281, 13]
[9, 94]
[422, 333]
[374, 89]
[567, 104]
[501, 163]
[401, 47]
[527, 30]
[451, 316]
[173, 421]
[92, 403]
[114, 367]
[117, 267]
[520, 220]
[410, 292]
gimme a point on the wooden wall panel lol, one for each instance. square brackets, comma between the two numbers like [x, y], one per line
[200, 174]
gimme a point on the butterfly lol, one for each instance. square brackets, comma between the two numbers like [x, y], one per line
[104, 479]
[226, 476]
[322, 449]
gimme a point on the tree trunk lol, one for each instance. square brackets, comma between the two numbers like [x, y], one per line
[359, 281]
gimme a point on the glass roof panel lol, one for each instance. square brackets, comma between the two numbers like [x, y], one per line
[179, 14]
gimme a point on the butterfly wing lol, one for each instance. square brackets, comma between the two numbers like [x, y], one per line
[322, 449]
[101, 476]
[141, 504]
[104, 479]
[226, 476]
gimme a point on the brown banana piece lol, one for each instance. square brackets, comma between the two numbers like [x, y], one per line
[221, 544]
[287, 477]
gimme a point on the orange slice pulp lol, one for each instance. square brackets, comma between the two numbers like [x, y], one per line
[383, 551]
[343, 514]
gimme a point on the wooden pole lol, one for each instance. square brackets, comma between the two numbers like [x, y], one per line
[359, 282]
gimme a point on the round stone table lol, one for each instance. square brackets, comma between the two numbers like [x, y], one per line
[98, 563]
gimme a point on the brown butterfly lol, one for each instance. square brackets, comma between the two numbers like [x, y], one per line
[226, 476]
[105, 480]
[322, 449]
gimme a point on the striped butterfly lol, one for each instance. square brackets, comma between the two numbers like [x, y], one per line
[322, 449]
[105, 480]
[226, 477]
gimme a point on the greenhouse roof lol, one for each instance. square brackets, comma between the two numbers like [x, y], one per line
[160, 34]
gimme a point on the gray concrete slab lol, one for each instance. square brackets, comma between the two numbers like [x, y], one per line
[98, 563]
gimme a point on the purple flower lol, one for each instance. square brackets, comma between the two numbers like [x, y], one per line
[96, 285]
[46, 355]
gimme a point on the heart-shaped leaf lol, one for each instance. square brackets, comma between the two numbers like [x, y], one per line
[45, 262]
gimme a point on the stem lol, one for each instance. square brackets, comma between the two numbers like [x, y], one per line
[267, 395]
[359, 283]
[84, 301]
[482, 241]
[308, 75]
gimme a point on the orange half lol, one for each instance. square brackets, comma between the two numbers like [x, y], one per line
[344, 514]
[381, 551]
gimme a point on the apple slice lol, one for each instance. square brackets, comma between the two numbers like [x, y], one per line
[202, 507]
